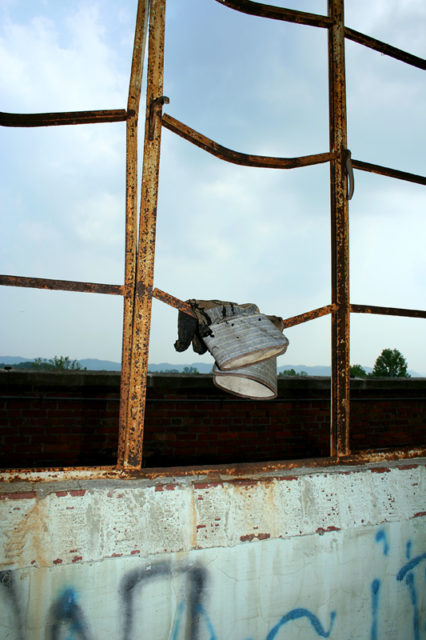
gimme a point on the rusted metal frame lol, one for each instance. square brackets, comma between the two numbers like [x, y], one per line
[277, 13]
[340, 372]
[236, 157]
[388, 311]
[386, 171]
[58, 119]
[133, 102]
[387, 49]
[61, 285]
[308, 315]
[173, 302]
[288, 322]
[131, 447]
[214, 473]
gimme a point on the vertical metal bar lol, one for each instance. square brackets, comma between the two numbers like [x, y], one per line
[133, 101]
[131, 444]
[340, 374]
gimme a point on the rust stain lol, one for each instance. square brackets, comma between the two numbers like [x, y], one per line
[77, 558]
[24, 495]
[380, 470]
[77, 492]
[61, 494]
[255, 536]
[321, 530]
[134, 552]
[420, 514]
[201, 526]
[58, 561]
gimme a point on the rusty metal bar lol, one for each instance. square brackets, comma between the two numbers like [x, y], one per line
[340, 374]
[387, 49]
[131, 445]
[308, 315]
[236, 157]
[288, 322]
[391, 173]
[61, 285]
[173, 302]
[388, 311]
[58, 119]
[277, 13]
[214, 472]
[133, 102]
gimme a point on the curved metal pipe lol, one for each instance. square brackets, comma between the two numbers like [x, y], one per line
[235, 156]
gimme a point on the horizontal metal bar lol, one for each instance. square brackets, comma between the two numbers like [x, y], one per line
[382, 47]
[173, 302]
[240, 158]
[61, 285]
[222, 472]
[309, 315]
[388, 311]
[277, 13]
[386, 171]
[63, 118]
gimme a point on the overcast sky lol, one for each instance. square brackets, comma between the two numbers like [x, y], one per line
[236, 233]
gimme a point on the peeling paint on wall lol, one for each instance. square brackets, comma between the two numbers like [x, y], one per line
[356, 570]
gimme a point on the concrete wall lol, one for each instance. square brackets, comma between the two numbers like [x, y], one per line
[334, 553]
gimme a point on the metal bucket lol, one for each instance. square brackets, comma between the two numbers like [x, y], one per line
[257, 381]
[243, 340]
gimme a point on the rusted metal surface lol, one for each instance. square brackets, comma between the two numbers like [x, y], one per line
[236, 157]
[131, 444]
[277, 13]
[308, 315]
[391, 173]
[58, 119]
[173, 302]
[387, 49]
[388, 311]
[340, 375]
[155, 110]
[61, 285]
[213, 473]
[133, 103]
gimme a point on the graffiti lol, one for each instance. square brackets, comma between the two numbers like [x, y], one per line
[196, 578]
[303, 613]
[66, 612]
[407, 572]
[7, 582]
[66, 618]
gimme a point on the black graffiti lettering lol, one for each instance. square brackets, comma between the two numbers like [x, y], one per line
[136, 579]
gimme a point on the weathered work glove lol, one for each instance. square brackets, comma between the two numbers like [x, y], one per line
[194, 329]
[206, 312]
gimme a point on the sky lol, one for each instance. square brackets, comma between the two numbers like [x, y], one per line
[235, 233]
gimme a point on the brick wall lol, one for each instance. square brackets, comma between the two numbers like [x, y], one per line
[70, 419]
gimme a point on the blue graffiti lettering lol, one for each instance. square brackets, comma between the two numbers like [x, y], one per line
[381, 536]
[410, 566]
[375, 588]
[303, 613]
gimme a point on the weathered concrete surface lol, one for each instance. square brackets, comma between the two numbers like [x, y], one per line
[335, 553]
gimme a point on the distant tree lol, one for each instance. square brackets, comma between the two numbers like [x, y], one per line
[292, 373]
[390, 363]
[61, 363]
[357, 371]
[190, 370]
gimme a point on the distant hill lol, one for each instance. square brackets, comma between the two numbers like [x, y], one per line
[93, 364]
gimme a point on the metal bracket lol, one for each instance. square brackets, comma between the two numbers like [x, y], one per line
[155, 108]
[350, 175]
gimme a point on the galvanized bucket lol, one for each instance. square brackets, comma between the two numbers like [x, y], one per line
[243, 340]
[257, 381]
